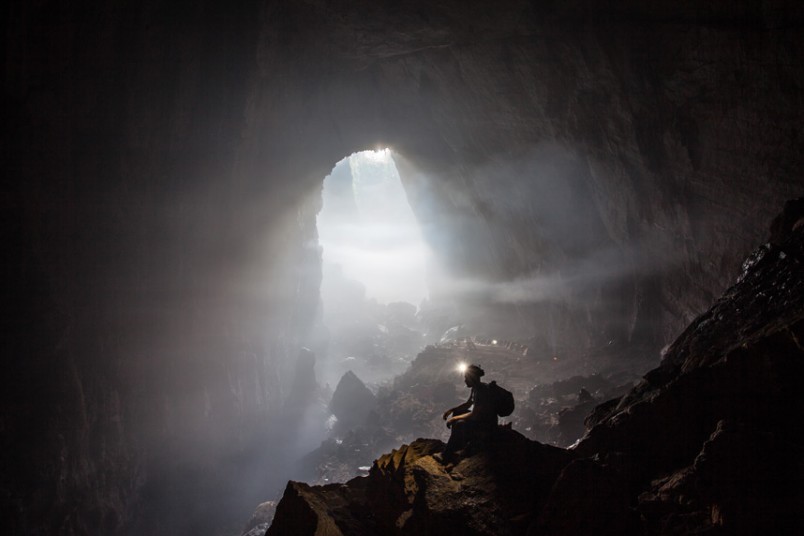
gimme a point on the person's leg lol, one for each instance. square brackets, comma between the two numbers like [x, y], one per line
[457, 439]
[477, 437]
[464, 434]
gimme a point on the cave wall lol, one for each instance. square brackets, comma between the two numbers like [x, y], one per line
[131, 368]
[539, 139]
[165, 163]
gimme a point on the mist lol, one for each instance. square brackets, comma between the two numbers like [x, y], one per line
[575, 275]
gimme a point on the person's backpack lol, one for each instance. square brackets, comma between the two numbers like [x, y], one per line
[503, 400]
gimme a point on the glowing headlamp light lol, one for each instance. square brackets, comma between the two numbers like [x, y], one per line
[462, 367]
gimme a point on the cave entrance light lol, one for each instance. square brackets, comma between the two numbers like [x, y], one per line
[369, 235]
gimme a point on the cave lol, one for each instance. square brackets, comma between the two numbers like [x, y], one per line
[603, 187]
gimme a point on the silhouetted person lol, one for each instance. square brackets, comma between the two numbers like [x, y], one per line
[467, 425]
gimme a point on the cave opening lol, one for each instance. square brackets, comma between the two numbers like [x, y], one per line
[374, 269]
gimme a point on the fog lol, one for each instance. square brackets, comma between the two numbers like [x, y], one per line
[595, 268]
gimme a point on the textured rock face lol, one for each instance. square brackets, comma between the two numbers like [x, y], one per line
[743, 481]
[733, 462]
[748, 344]
[164, 161]
[409, 492]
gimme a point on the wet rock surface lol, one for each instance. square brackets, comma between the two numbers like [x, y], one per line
[709, 442]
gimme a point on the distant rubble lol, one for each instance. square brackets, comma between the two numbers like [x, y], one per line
[411, 405]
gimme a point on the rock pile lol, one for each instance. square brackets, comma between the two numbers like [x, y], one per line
[409, 492]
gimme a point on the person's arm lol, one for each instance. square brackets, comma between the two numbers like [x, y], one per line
[459, 411]
[455, 418]
[456, 410]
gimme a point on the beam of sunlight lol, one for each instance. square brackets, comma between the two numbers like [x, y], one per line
[367, 228]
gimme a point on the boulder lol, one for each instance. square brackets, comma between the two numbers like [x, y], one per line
[352, 401]
[407, 491]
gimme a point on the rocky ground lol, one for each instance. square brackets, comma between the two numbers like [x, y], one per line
[408, 491]
[708, 442]
[411, 406]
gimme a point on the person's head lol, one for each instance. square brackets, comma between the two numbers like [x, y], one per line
[472, 375]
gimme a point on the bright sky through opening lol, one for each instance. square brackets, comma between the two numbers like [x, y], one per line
[367, 227]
